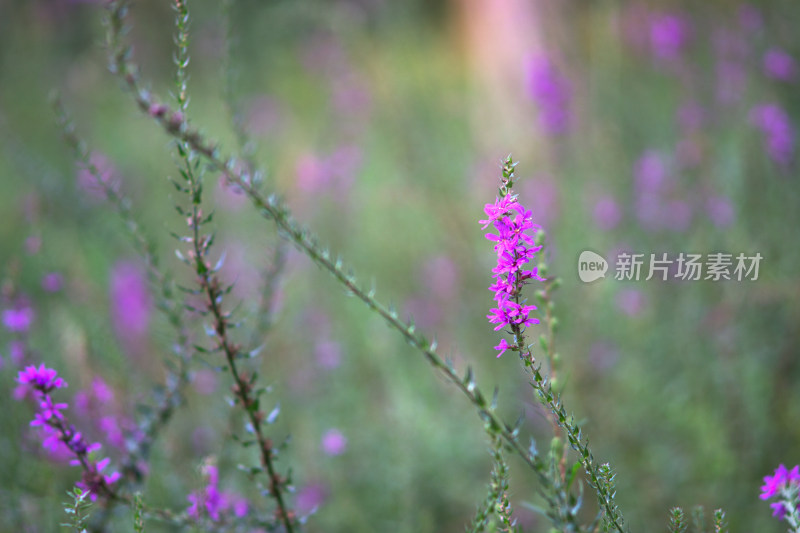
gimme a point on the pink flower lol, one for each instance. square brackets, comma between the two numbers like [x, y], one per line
[514, 247]
[782, 477]
[42, 379]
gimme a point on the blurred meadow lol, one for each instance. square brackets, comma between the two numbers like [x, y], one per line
[640, 127]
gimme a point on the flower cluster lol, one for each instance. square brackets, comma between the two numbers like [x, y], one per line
[212, 502]
[58, 434]
[515, 247]
[777, 130]
[784, 484]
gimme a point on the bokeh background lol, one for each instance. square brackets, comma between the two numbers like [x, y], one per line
[645, 127]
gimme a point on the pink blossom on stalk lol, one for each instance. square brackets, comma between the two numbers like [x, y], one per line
[57, 433]
[782, 477]
[514, 247]
[211, 502]
[785, 485]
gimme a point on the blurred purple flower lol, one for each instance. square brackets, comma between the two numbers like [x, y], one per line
[730, 44]
[33, 244]
[731, 81]
[650, 172]
[607, 213]
[779, 65]
[691, 117]
[334, 442]
[669, 35]
[93, 188]
[689, 152]
[205, 381]
[52, 282]
[19, 317]
[720, 211]
[630, 301]
[328, 354]
[310, 497]
[440, 275]
[16, 352]
[551, 90]
[677, 216]
[207, 501]
[265, 115]
[750, 18]
[603, 355]
[335, 172]
[130, 303]
[778, 131]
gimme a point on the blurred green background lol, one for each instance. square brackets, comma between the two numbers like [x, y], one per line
[648, 128]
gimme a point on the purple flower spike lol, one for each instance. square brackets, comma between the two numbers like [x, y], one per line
[515, 247]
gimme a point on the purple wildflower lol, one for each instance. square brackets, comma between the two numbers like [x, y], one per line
[52, 282]
[212, 502]
[781, 479]
[58, 434]
[669, 34]
[785, 485]
[42, 379]
[778, 131]
[514, 247]
[779, 65]
[552, 92]
[19, 317]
